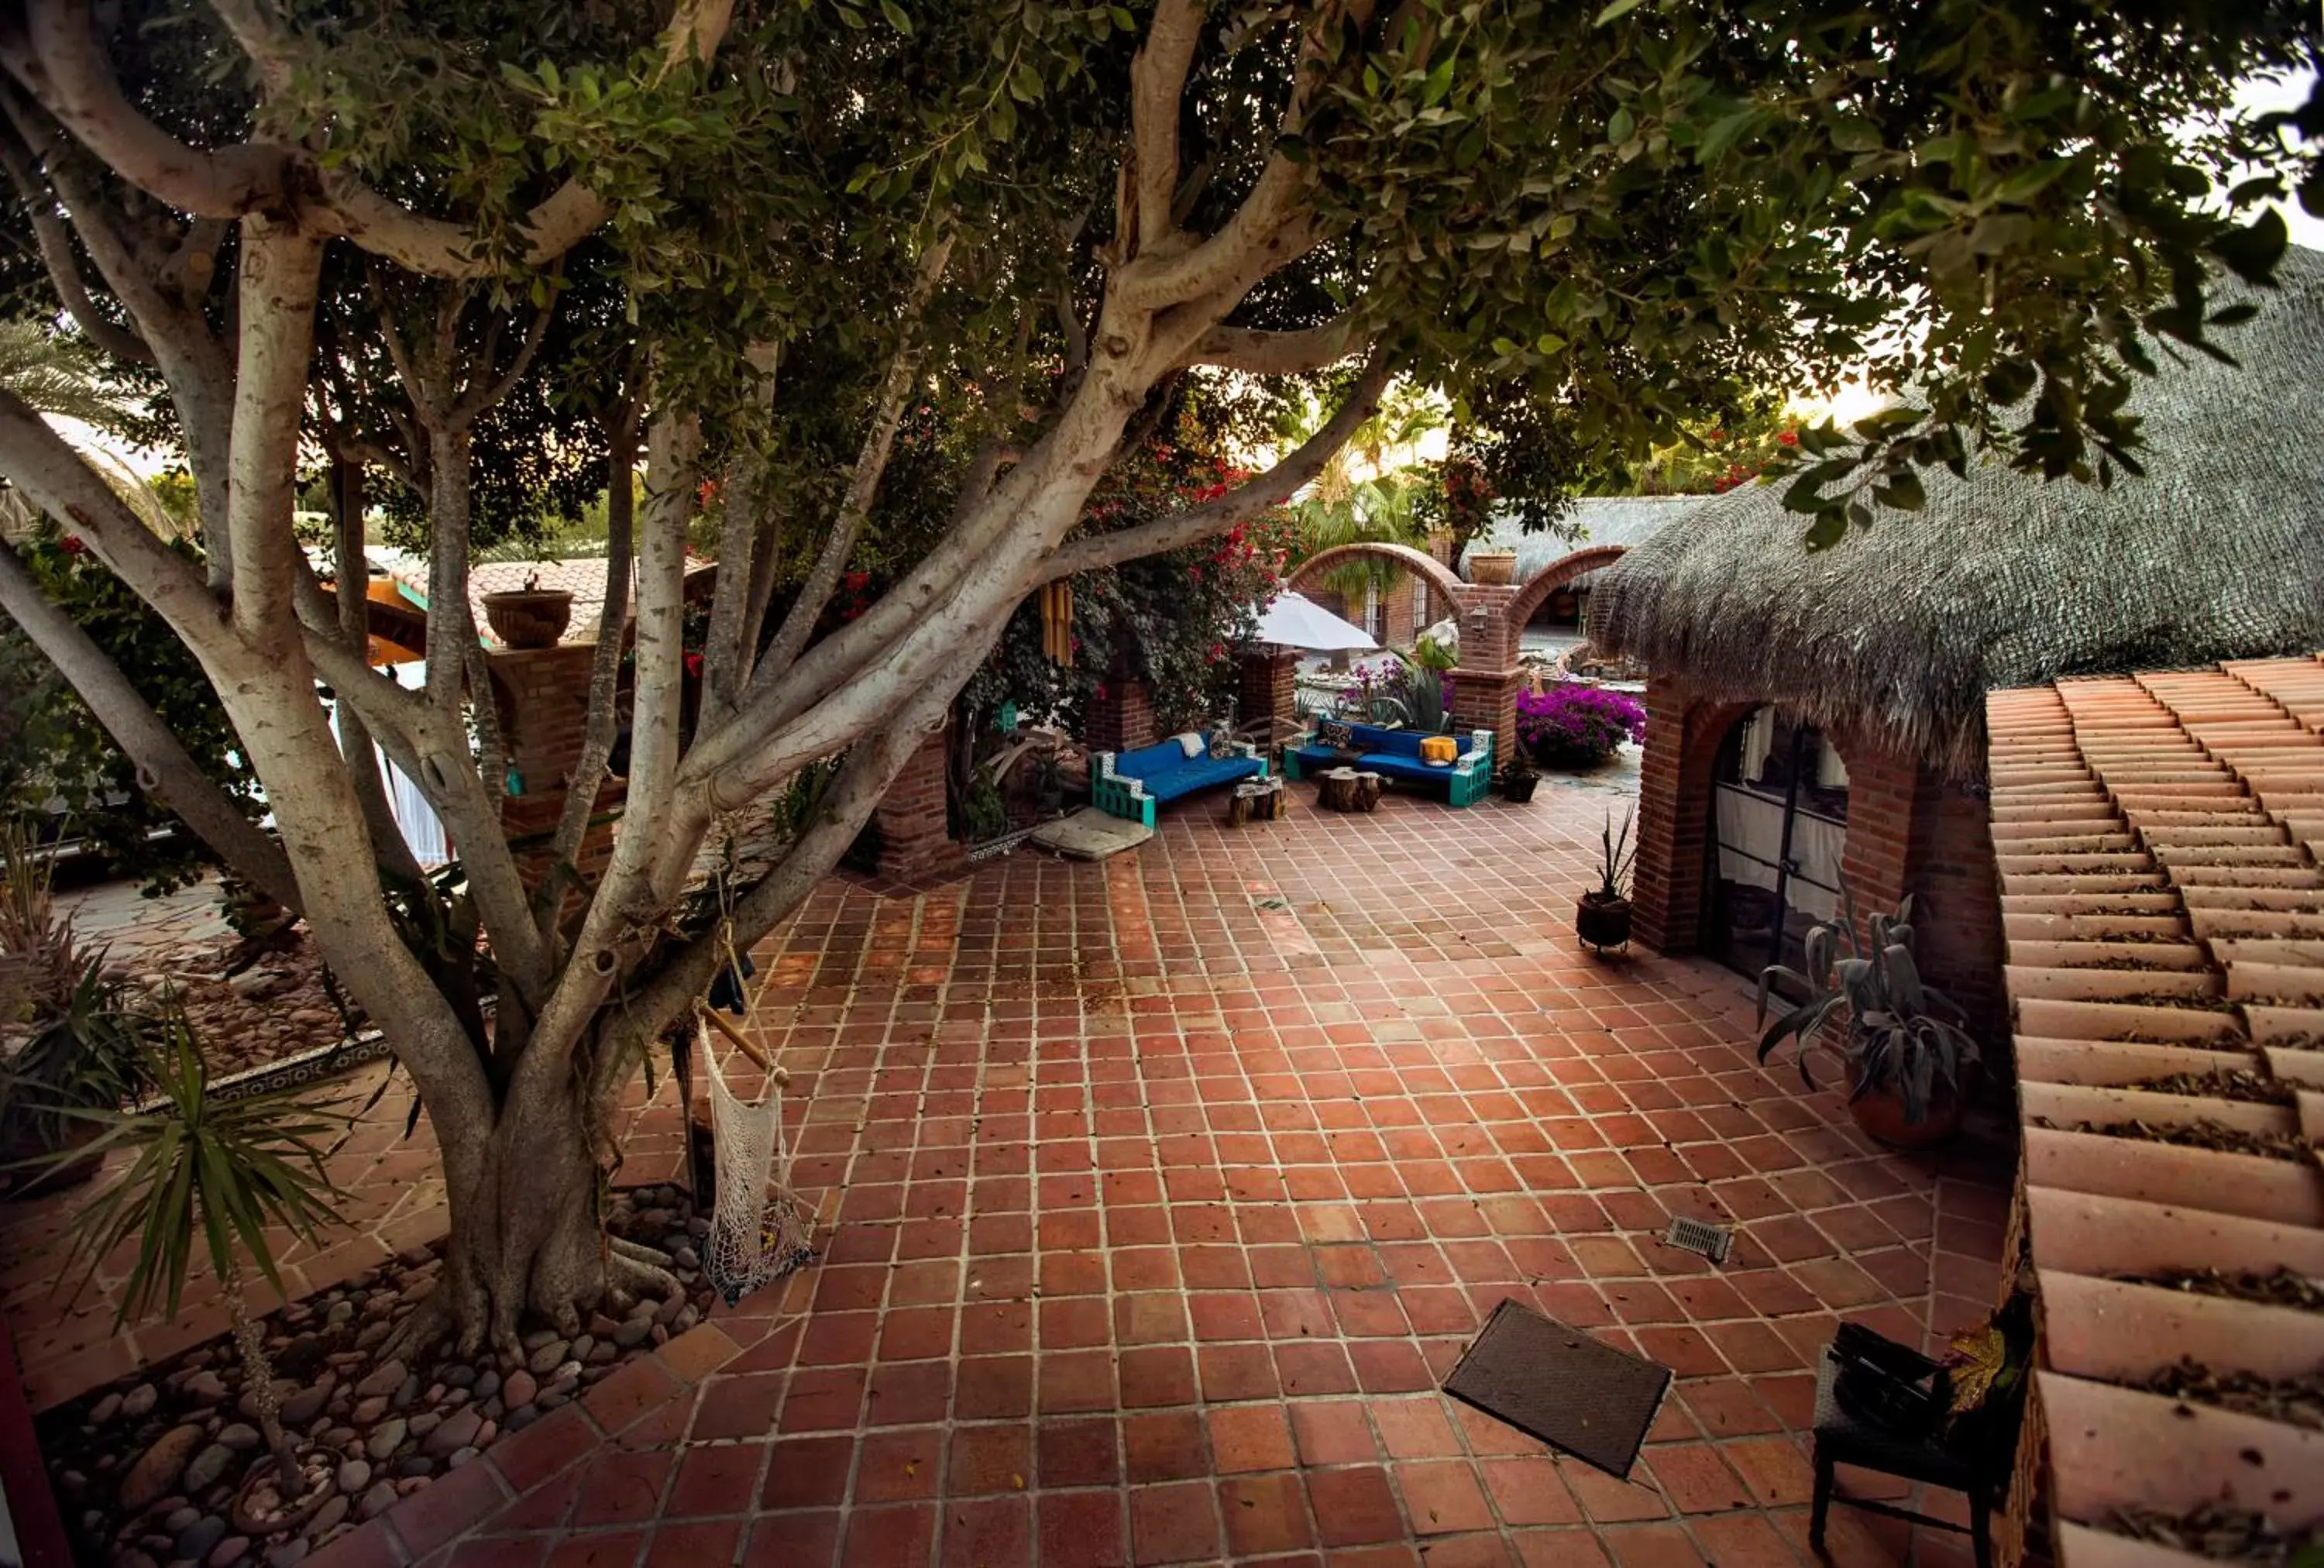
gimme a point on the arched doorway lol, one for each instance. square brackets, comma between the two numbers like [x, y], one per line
[1779, 829]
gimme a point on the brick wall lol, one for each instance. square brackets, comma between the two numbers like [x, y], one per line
[1398, 605]
[914, 839]
[1957, 915]
[1882, 790]
[1122, 718]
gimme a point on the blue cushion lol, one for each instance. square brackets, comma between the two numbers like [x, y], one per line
[1145, 762]
[1396, 767]
[1199, 773]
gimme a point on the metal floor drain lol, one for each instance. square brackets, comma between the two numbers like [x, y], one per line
[1712, 1241]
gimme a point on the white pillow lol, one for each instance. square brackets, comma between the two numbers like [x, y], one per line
[1190, 743]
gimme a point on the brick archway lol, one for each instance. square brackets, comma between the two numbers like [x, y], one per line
[1537, 588]
[1428, 568]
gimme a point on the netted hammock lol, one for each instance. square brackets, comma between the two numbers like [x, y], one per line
[758, 1228]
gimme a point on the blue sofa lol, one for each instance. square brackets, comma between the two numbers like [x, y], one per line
[1131, 784]
[1395, 754]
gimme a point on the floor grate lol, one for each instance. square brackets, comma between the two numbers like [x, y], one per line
[1712, 1241]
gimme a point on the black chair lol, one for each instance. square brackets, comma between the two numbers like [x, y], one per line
[1977, 1458]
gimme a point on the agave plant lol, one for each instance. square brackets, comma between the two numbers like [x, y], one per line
[216, 1174]
[1903, 1036]
[1618, 857]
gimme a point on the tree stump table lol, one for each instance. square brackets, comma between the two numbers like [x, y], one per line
[1345, 790]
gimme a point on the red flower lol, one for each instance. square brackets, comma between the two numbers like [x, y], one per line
[857, 581]
[70, 544]
[1788, 438]
[694, 664]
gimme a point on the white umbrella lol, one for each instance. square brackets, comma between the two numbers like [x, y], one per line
[1294, 621]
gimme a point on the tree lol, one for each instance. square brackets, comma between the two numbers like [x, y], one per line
[1041, 217]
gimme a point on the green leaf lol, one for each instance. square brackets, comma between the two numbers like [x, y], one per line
[1615, 11]
[896, 17]
[1827, 529]
[1621, 127]
[1902, 491]
[1548, 343]
[2253, 251]
[2024, 184]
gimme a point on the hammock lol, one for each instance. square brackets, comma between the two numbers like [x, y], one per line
[759, 1230]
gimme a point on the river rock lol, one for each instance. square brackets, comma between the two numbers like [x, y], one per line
[424, 1423]
[385, 1438]
[632, 1333]
[157, 1469]
[293, 1550]
[413, 1467]
[457, 1430]
[239, 1437]
[306, 1404]
[379, 1499]
[521, 1390]
[367, 1411]
[330, 1514]
[196, 1539]
[487, 1384]
[105, 1410]
[545, 1359]
[206, 1387]
[209, 1467]
[353, 1476]
[181, 1519]
[405, 1393]
[229, 1551]
[139, 1402]
[384, 1379]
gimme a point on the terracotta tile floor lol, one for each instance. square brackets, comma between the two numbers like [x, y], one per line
[1163, 1193]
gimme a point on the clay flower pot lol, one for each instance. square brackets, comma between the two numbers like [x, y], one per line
[1880, 1112]
[528, 617]
[1602, 921]
[1492, 568]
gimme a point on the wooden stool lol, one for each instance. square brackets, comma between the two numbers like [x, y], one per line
[1336, 789]
[1368, 791]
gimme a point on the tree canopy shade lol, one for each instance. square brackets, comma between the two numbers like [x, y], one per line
[769, 243]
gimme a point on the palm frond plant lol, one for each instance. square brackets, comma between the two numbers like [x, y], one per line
[1902, 1040]
[218, 1176]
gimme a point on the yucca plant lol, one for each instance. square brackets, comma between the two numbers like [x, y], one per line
[1903, 1036]
[215, 1175]
[1617, 857]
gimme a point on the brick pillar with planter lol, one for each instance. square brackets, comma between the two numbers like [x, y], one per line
[1269, 691]
[1485, 684]
[914, 834]
[1121, 715]
[543, 695]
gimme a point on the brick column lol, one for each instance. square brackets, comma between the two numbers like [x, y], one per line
[1120, 719]
[543, 698]
[1485, 686]
[1433, 605]
[914, 834]
[1957, 914]
[1674, 826]
[1882, 790]
[1269, 691]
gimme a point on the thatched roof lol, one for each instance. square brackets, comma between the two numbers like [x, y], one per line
[1623, 519]
[2004, 580]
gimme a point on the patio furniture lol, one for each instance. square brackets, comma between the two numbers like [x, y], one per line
[1979, 1467]
[1131, 784]
[1395, 754]
[1257, 800]
[1348, 789]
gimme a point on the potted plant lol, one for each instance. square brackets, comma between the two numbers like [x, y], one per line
[531, 616]
[221, 1175]
[1518, 778]
[1906, 1057]
[1603, 917]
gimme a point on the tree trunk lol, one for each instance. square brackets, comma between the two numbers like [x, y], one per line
[528, 1231]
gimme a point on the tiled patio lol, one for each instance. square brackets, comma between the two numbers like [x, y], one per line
[1165, 1192]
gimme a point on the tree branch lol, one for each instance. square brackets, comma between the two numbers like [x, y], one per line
[1157, 84]
[164, 769]
[492, 388]
[57, 256]
[726, 658]
[58, 61]
[870, 463]
[1272, 488]
[1277, 353]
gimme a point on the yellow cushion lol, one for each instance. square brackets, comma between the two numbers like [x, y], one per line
[1438, 749]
